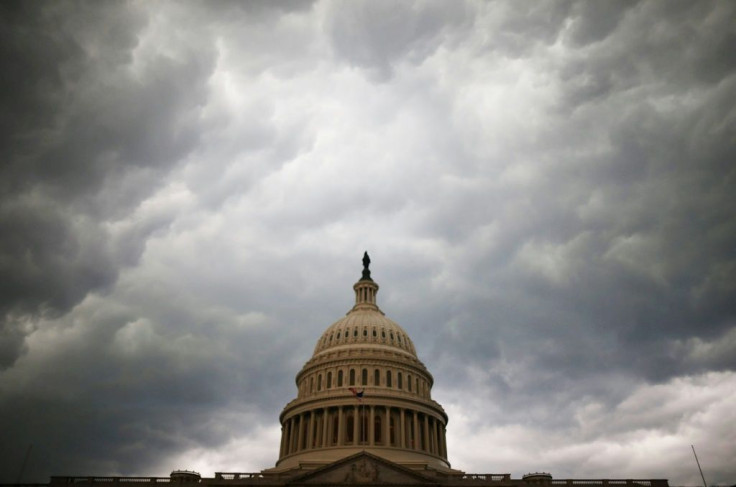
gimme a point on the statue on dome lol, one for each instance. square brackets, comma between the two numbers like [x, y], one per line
[366, 271]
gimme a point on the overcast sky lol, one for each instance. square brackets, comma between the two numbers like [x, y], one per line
[547, 191]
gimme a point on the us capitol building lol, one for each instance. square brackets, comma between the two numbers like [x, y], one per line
[363, 414]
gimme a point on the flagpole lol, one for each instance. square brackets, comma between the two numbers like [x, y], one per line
[698, 462]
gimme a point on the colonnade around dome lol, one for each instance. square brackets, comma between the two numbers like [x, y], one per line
[363, 425]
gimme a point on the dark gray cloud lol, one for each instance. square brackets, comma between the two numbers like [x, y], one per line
[546, 190]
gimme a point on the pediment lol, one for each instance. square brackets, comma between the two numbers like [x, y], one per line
[362, 468]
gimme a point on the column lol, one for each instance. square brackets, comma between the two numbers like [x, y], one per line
[443, 441]
[417, 443]
[300, 436]
[372, 428]
[310, 436]
[340, 425]
[326, 419]
[281, 445]
[402, 429]
[356, 420]
[294, 433]
[387, 426]
[426, 433]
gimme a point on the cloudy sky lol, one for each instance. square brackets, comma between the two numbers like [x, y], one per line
[547, 191]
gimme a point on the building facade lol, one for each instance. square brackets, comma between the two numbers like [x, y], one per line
[363, 414]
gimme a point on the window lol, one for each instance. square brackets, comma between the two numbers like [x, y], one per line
[377, 377]
[355, 332]
[352, 377]
[374, 332]
[365, 332]
[408, 381]
[400, 383]
[319, 382]
[329, 380]
[339, 378]
[365, 377]
[388, 379]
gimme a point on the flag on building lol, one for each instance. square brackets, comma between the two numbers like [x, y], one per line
[358, 395]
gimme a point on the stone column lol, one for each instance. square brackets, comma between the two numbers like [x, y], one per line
[310, 435]
[293, 434]
[281, 445]
[426, 434]
[387, 426]
[340, 426]
[417, 443]
[372, 427]
[402, 429]
[300, 435]
[356, 420]
[326, 419]
[443, 441]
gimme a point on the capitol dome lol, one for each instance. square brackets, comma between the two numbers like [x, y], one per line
[364, 389]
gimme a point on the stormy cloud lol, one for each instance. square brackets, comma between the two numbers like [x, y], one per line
[546, 190]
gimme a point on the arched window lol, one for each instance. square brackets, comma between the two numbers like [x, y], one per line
[388, 379]
[352, 377]
[319, 382]
[339, 378]
[365, 332]
[376, 377]
[400, 382]
[338, 335]
[408, 381]
[311, 384]
[365, 377]
[374, 332]
[355, 332]
[329, 380]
